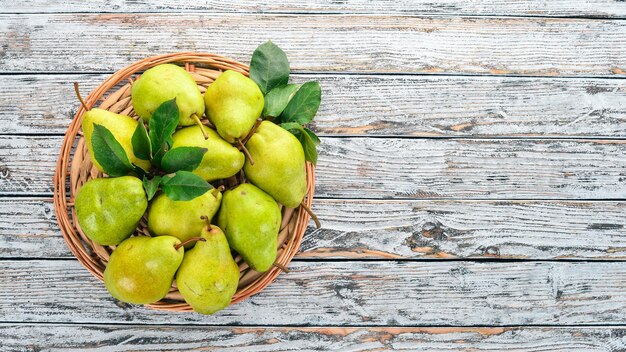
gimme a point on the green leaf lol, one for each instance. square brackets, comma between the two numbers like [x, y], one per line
[151, 186]
[162, 125]
[291, 126]
[166, 178]
[269, 67]
[307, 138]
[277, 99]
[308, 145]
[141, 142]
[313, 136]
[184, 186]
[182, 158]
[156, 158]
[141, 173]
[109, 153]
[304, 104]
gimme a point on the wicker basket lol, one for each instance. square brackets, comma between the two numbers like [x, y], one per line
[74, 168]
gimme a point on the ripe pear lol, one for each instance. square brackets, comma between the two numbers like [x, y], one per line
[121, 126]
[222, 160]
[278, 164]
[108, 210]
[208, 276]
[182, 219]
[251, 220]
[166, 82]
[233, 103]
[141, 269]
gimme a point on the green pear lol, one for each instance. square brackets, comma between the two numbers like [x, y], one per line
[108, 210]
[251, 220]
[141, 269]
[278, 164]
[121, 126]
[233, 103]
[221, 160]
[166, 82]
[208, 277]
[182, 219]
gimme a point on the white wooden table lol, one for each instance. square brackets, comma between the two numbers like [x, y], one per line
[471, 181]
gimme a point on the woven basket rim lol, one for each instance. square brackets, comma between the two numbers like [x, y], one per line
[63, 204]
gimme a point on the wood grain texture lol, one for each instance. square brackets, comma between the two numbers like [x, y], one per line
[190, 338]
[430, 106]
[404, 168]
[391, 229]
[339, 43]
[28, 229]
[494, 169]
[596, 8]
[347, 293]
[466, 229]
[27, 164]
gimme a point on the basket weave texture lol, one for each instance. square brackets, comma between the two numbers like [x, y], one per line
[74, 168]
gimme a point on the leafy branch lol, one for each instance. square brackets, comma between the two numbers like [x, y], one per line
[172, 166]
[293, 106]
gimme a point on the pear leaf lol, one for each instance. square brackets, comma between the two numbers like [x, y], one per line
[141, 173]
[304, 104]
[309, 147]
[184, 186]
[162, 125]
[313, 136]
[278, 98]
[182, 158]
[109, 153]
[151, 186]
[307, 138]
[269, 67]
[291, 126]
[141, 142]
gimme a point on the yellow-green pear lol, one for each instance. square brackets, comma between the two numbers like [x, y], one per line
[251, 220]
[141, 269]
[233, 103]
[121, 126]
[182, 219]
[221, 160]
[108, 210]
[166, 82]
[279, 164]
[208, 276]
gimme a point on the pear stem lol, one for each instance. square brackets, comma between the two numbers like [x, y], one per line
[208, 222]
[193, 239]
[199, 123]
[80, 98]
[254, 128]
[243, 148]
[312, 214]
[281, 267]
[218, 189]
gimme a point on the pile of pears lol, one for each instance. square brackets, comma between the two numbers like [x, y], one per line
[175, 171]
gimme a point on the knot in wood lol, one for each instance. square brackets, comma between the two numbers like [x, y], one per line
[433, 230]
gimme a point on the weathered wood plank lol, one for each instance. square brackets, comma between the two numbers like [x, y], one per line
[29, 337]
[384, 105]
[395, 229]
[494, 169]
[347, 293]
[467, 229]
[28, 229]
[404, 168]
[596, 8]
[28, 163]
[340, 43]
